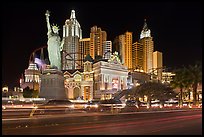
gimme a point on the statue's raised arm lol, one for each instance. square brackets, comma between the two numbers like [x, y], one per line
[62, 44]
[47, 14]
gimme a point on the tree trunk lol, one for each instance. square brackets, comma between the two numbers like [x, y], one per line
[149, 102]
[137, 101]
[181, 97]
[195, 93]
[162, 102]
[189, 97]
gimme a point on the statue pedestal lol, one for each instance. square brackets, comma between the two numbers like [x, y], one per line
[52, 85]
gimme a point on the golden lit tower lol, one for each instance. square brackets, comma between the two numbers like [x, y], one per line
[148, 48]
[128, 50]
[97, 37]
[157, 64]
[123, 45]
[137, 56]
[84, 46]
[119, 45]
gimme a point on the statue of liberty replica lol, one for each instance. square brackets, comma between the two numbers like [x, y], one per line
[54, 44]
[52, 79]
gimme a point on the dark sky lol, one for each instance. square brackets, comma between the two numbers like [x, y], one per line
[176, 28]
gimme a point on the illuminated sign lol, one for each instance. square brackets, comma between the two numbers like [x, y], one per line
[115, 83]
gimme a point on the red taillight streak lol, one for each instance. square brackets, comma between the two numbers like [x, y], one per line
[83, 129]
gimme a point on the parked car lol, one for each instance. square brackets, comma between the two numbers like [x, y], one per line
[92, 105]
[55, 106]
[131, 106]
[109, 105]
[130, 103]
[79, 105]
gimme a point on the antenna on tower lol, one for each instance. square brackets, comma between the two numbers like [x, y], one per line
[73, 14]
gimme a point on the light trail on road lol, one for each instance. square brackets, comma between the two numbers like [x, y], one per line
[141, 123]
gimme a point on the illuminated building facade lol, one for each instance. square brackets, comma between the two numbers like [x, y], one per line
[97, 37]
[157, 64]
[148, 48]
[32, 77]
[78, 84]
[119, 45]
[123, 45]
[109, 77]
[167, 77]
[103, 79]
[71, 57]
[137, 56]
[128, 50]
[84, 46]
[107, 49]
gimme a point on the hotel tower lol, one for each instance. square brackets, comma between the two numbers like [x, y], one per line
[148, 48]
[71, 57]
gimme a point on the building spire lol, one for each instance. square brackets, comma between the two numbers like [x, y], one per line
[145, 31]
[145, 28]
[73, 15]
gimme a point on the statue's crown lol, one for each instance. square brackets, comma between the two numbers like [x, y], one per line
[55, 27]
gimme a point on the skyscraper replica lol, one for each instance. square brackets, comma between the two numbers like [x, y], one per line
[137, 56]
[84, 46]
[119, 44]
[148, 48]
[107, 49]
[97, 37]
[123, 44]
[71, 55]
[157, 64]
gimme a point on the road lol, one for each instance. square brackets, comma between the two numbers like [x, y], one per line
[139, 123]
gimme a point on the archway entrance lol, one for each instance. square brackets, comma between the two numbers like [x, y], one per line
[87, 93]
[76, 93]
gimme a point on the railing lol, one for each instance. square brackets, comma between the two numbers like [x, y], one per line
[120, 94]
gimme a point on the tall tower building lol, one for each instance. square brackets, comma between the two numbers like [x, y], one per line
[71, 57]
[84, 46]
[128, 50]
[157, 64]
[97, 37]
[148, 48]
[107, 49]
[137, 56]
[119, 45]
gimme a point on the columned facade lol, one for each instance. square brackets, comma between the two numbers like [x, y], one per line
[109, 77]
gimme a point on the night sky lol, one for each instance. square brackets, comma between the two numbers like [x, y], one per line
[176, 28]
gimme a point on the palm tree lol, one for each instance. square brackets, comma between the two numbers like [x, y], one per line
[195, 76]
[179, 81]
[156, 90]
[134, 94]
[187, 85]
[164, 93]
[146, 90]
